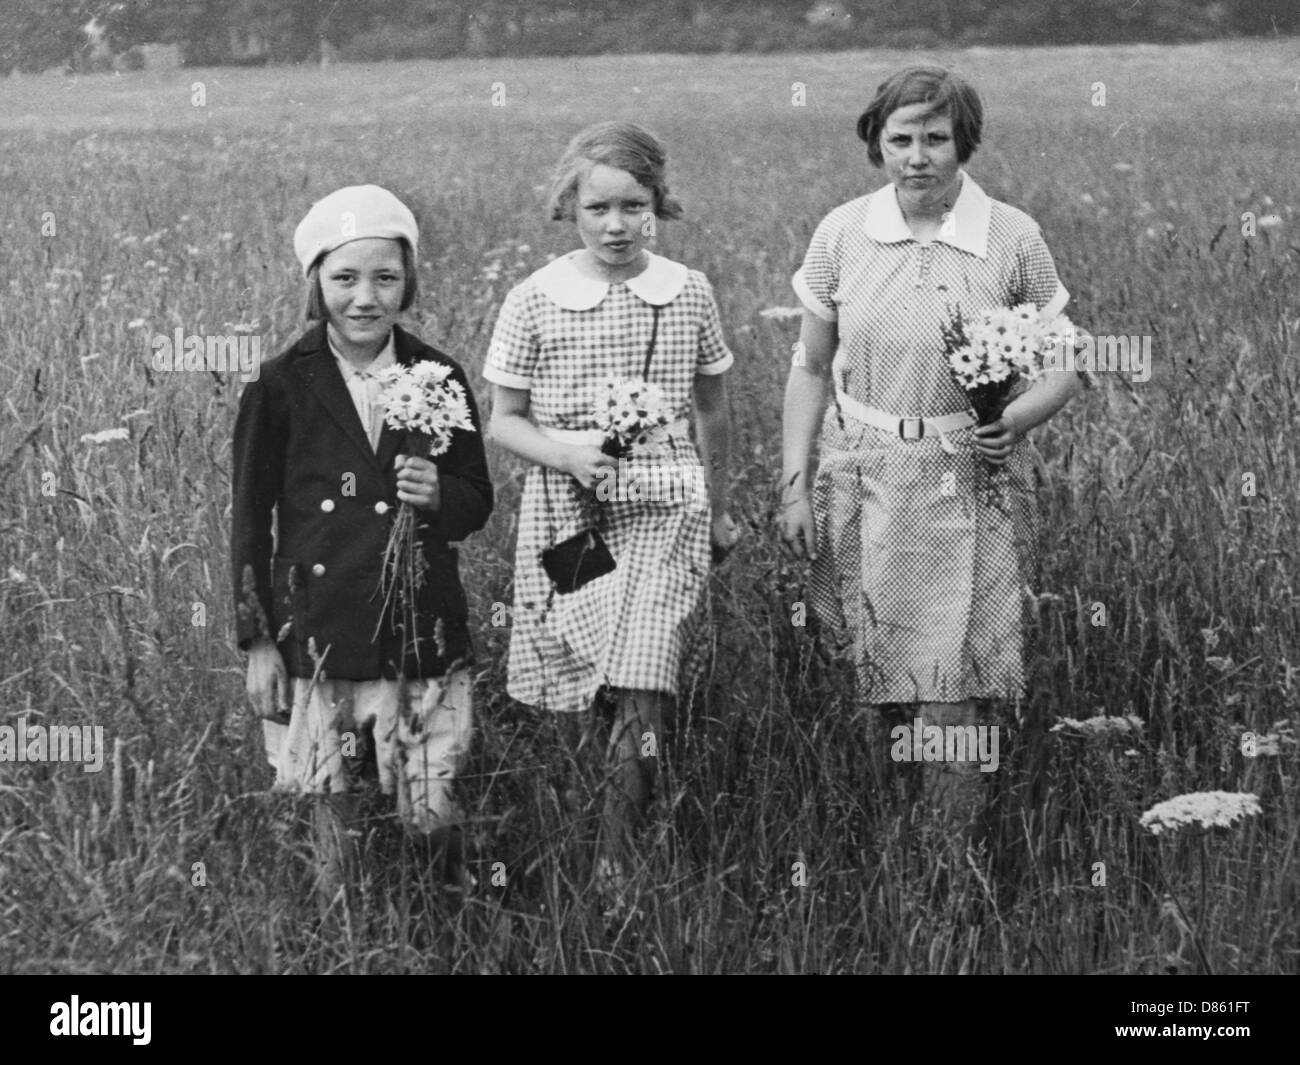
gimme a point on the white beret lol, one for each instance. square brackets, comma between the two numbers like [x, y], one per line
[355, 213]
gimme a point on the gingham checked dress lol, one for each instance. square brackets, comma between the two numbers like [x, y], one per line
[560, 335]
[920, 573]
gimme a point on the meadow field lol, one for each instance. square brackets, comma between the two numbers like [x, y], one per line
[134, 205]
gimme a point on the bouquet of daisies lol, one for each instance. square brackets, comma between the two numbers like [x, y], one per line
[991, 353]
[625, 409]
[426, 406]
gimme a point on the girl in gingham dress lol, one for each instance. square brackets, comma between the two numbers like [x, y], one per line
[565, 330]
[914, 566]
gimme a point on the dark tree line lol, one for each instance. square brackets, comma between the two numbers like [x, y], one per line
[38, 34]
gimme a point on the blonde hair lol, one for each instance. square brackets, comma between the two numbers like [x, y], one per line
[622, 145]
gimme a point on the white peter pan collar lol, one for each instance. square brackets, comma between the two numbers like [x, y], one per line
[561, 282]
[968, 231]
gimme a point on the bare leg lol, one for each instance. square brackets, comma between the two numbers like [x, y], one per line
[956, 789]
[634, 749]
[334, 823]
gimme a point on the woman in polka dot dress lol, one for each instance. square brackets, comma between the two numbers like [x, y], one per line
[914, 564]
[562, 333]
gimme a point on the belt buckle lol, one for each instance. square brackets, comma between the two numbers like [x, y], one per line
[905, 425]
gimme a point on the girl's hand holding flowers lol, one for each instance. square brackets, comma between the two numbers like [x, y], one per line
[417, 482]
[995, 441]
[425, 404]
[584, 464]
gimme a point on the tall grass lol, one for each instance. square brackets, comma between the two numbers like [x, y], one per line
[172, 215]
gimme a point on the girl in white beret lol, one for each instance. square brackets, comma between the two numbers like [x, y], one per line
[347, 697]
[622, 615]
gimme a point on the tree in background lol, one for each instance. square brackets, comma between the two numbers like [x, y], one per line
[38, 34]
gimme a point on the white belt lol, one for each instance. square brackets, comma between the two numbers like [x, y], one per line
[905, 428]
[594, 437]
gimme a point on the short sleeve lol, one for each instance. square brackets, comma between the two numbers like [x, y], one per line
[1035, 279]
[515, 347]
[714, 355]
[817, 281]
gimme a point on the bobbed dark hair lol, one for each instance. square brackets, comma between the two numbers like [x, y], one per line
[316, 311]
[947, 94]
[622, 145]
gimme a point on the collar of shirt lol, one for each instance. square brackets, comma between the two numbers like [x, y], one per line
[387, 357]
[561, 282]
[967, 229]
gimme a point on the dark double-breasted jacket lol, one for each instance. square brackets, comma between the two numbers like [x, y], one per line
[313, 504]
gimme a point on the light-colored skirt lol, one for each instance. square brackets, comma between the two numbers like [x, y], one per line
[922, 564]
[418, 731]
[638, 627]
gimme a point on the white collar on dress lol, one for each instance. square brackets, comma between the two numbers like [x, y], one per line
[561, 282]
[387, 357]
[968, 231]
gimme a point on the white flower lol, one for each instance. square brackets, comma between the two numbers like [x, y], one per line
[1100, 725]
[429, 372]
[623, 410]
[420, 398]
[106, 436]
[1209, 809]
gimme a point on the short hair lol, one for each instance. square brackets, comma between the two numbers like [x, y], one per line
[947, 94]
[410, 288]
[622, 145]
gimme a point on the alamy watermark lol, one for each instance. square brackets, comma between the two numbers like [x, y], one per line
[102, 1018]
[229, 353]
[83, 744]
[1100, 354]
[919, 742]
[651, 483]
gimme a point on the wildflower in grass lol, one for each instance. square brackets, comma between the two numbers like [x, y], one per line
[1209, 809]
[1100, 725]
[106, 436]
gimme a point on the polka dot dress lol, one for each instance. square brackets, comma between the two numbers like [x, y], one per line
[560, 335]
[922, 552]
